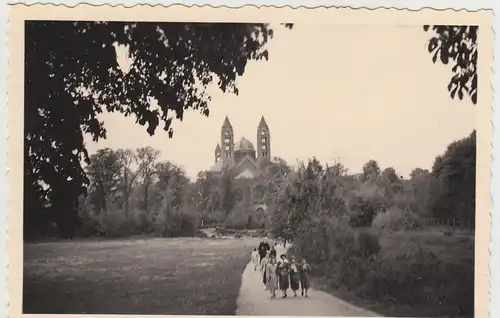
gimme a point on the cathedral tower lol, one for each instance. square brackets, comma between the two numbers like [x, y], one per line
[227, 140]
[263, 140]
[218, 154]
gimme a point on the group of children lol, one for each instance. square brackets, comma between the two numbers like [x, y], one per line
[281, 274]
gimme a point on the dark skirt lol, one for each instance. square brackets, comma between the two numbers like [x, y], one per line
[261, 256]
[294, 281]
[283, 282]
[304, 280]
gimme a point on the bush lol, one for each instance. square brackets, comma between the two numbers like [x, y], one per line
[114, 223]
[416, 277]
[363, 210]
[242, 217]
[182, 224]
[400, 275]
[201, 234]
[368, 244]
[89, 227]
[395, 219]
[333, 247]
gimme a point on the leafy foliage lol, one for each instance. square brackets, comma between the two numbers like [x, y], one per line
[457, 44]
[132, 192]
[72, 75]
[456, 170]
[104, 171]
[341, 222]
[371, 170]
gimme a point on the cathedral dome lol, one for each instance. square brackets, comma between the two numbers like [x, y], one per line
[244, 145]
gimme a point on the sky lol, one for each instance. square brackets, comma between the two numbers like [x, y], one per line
[347, 93]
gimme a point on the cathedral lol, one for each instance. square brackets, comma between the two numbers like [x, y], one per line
[241, 156]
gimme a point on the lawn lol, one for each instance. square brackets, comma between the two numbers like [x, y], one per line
[185, 276]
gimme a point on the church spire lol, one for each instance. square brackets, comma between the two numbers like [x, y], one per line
[227, 140]
[227, 123]
[217, 153]
[262, 122]
[263, 140]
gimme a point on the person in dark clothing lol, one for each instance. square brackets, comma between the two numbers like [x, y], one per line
[283, 271]
[294, 276]
[304, 272]
[273, 253]
[263, 248]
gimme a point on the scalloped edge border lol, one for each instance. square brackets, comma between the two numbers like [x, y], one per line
[302, 7]
[243, 6]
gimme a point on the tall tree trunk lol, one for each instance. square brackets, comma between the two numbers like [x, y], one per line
[127, 194]
[146, 188]
[104, 206]
[166, 213]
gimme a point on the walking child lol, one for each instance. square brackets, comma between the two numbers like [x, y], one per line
[263, 264]
[294, 276]
[283, 271]
[263, 248]
[304, 271]
[255, 259]
[272, 279]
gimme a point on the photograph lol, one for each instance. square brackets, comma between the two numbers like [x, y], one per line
[327, 162]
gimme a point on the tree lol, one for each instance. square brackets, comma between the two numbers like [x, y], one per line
[104, 172]
[394, 182]
[275, 173]
[127, 159]
[146, 159]
[329, 183]
[458, 177]
[297, 199]
[172, 178]
[72, 75]
[457, 44]
[417, 172]
[228, 192]
[371, 169]
[208, 187]
[424, 188]
[171, 185]
[390, 174]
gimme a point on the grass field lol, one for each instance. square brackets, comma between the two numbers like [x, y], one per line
[147, 276]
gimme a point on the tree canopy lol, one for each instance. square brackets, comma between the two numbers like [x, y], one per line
[72, 75]
[456, 44]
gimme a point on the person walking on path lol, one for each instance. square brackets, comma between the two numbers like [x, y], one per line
[304, 271]
[272, 252]
[263, 267]
[263, 248]
[272, 279]
[283, 274]
[255, 258]
[294, 276]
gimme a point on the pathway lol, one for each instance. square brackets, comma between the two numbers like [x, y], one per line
[253, 300]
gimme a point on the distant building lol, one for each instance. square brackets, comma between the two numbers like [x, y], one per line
[241, 157]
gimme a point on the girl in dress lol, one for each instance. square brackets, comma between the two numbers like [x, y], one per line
[263, 264]
[272, 279]
[272, 253]
[283, 271]
[255, 259]
[294, 276]
[304, 271]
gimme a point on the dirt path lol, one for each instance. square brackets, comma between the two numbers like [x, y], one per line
[254, 300]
